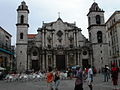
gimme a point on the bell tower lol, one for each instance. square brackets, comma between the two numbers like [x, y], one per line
[22, 39]
[97, 35]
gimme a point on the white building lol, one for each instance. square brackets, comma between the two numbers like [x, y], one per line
[113, 33]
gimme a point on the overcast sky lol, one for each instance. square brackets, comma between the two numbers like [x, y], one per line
[47, 10]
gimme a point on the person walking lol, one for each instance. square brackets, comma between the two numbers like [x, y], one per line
[114, 75]
[90, 77]
[106, 74]
[79, 79]
[50, 77]
[57, 79]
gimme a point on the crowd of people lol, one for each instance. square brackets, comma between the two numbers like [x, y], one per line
[88, 74]
[85, 75]
[53, 76]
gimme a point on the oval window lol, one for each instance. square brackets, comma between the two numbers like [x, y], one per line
[84, 52]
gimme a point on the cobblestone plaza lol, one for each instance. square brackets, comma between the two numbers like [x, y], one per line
[98, 84]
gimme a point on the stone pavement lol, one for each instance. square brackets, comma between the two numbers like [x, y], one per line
[98, 84]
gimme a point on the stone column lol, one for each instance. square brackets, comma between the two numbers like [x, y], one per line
[76, 34]
[66, 39]
[53, 39]
[43, 62]
[28, 62]
[43, 39]
[46, 61]
[67, 60]
[54, 60]
[40, 62]
[78, 58]
[74, 38]
[75, 57]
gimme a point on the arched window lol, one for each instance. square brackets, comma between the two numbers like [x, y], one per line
[21, 35]
[35, 53]
[98, 20]
[96, 8]
[22, 19]
[99, 37]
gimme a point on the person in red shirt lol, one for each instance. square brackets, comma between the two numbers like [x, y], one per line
[50, 77]
[86, 70]
[114, 75]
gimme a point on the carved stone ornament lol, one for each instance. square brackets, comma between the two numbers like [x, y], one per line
[49, 38]
[59, 33]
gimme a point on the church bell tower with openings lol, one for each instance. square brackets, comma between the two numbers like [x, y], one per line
[97, 36]
[22, 39]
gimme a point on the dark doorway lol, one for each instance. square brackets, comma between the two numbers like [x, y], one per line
[35, 65]
[85, 63]
[60, 62]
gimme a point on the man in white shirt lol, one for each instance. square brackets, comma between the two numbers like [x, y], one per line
[90, 77]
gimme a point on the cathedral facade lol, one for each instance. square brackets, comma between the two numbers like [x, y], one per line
[60, 44]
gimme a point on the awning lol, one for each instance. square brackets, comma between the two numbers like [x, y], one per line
[6, 51]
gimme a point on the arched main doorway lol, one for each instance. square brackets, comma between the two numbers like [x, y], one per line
[60, 62]
[35, 65]
[85, 63]
[35, 60]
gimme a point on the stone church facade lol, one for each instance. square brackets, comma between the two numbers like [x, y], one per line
[60, 44]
